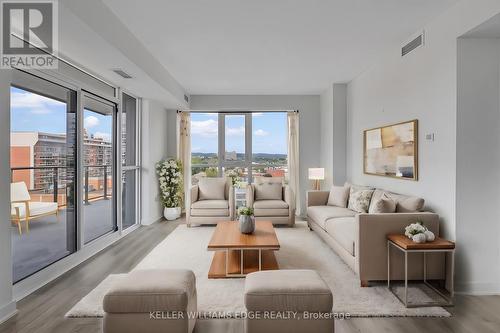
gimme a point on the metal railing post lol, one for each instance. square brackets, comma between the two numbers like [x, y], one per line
[86, 185]
[56, 185]
[105, 182]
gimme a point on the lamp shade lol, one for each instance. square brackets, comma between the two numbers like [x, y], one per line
[316, 173]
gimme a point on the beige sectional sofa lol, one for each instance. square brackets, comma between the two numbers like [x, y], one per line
[360, 238]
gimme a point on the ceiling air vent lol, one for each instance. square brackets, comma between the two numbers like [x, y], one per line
[186, 98]
[122, 73]
[415, 43]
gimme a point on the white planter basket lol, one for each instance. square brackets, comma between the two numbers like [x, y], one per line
[172, 213]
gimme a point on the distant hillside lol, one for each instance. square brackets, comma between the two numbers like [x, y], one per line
[256, 155]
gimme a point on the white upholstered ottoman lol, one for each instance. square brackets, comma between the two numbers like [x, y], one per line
[151, 301]
[288, 301]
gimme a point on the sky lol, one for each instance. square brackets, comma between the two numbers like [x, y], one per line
[31, 112]
[269, 133]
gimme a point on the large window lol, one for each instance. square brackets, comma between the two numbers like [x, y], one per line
[249, 144]
[204, 145]
[269, 144]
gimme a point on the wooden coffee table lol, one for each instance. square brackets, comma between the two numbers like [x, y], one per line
[237, 254]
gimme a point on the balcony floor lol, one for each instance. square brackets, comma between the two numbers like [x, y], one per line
[46, 241]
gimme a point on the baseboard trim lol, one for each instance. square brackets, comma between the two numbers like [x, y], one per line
[153, 220]
[478, 288]
[8, 311]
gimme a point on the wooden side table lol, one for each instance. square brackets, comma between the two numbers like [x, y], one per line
[406, 245]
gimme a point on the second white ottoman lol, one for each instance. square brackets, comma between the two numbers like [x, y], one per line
[288, 301]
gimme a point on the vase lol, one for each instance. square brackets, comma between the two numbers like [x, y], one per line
[247, 224]
[172, 213]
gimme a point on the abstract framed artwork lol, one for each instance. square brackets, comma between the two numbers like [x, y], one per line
[392, 151]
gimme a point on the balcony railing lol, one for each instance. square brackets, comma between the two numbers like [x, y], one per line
[38, 182]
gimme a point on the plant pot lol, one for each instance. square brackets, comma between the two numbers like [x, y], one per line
[247, 224]
[172, 213]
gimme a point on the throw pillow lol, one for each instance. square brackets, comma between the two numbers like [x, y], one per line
[268, 190]
[211, 188]
[359, 200]
[383, 205]
[338, 196]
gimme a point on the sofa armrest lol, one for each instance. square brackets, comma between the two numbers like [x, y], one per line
[194, 194]
[250, 195]
[288, 197]
[372, 231]
[317, 198]
[231, 202]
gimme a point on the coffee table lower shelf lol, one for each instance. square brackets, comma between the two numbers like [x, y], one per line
[236, 268]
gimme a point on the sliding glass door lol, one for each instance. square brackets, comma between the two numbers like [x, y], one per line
[99, 151]
[130, 161]
[43, 168]
[75, 168]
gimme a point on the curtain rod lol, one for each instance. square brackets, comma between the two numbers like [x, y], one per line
[235, 111]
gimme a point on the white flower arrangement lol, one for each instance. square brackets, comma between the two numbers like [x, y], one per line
[234, 175]
[169, 176]
[418, 233]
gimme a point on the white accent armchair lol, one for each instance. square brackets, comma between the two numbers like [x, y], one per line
[271, 200]
[23, 209]
[211, 201]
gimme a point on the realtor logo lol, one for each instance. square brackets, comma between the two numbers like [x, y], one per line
[29, 34]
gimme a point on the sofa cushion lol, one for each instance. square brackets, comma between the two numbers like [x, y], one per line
[271, 212]
[210, 204]
[211, 188]
[342, 229]
[359, 199]
[268, 190]
[404, 203]
[384, 204]
[338, 196]
[287, 290]
[322, 213]
[142, 291]
[210, 212]
[407, 204]
[267, 204]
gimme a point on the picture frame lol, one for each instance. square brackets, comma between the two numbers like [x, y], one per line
[392, 150]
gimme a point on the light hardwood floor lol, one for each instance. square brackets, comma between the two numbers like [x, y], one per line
[43, 311]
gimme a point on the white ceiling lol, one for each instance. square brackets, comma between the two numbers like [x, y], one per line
[488, 29]
[271, 46]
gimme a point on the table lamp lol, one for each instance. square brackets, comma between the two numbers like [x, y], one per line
[316, 175]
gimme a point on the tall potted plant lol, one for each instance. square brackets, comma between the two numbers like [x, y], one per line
[170, 178]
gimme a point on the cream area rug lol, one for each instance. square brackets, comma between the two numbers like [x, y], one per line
[300, 249]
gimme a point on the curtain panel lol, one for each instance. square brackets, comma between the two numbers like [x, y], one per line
[293, 157]
[184, 151]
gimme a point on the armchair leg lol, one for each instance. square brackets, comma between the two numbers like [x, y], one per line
[364, 283]
[27, 225]
[19, 227]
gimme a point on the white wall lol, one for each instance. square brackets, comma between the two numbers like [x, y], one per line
[7, 307]
[172, 133]
[309, 115]
[333, 134]
[478, 162]
[422, 85]
[326, 145]
[154, 149]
